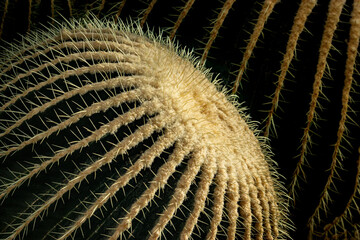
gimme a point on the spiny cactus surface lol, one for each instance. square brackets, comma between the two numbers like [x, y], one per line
[294, 64]
[108, 133]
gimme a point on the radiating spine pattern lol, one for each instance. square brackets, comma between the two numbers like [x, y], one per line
[108, 129]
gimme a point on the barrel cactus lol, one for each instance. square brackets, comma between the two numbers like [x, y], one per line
[294, 64]
[108, 132]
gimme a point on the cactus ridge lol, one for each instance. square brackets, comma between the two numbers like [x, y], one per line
[108, 128]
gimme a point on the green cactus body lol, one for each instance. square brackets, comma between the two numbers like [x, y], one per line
[108, 133]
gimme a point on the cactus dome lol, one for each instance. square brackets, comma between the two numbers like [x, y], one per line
[110, 132]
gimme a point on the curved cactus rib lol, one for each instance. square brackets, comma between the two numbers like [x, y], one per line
[181, 17]
[352, 203]
[182, 148]
[221, 180]
[262, 202]
[258, 205]
[266, 212]
[217, 25]
[17, 53]
[260, 187]
[183, 186]
[120, 8]
[101, 67]
[6, 5]
[94, 108]
[83, 56]
[300, 19]
[144, 161]
[126, 81]
[232, 204]
[266, 10]
[101, 7]
[334, 12]
[354, 38]
[111, 127]
[147, 12]
[69, 5]
[124, 43]
[109, 46]
[154, 124]
[208, 172]
[109, 40]
[29, 16]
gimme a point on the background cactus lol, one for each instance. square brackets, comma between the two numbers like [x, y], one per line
[301, 85]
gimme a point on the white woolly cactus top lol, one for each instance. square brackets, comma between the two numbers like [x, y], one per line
[100, 94]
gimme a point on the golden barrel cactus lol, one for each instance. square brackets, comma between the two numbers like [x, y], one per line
[108, 132]
[294, 64]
